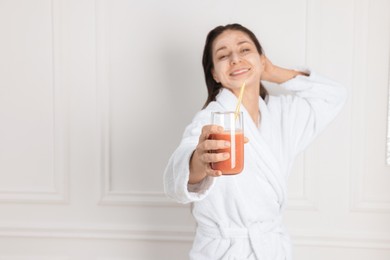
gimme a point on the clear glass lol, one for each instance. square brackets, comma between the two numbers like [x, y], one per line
[234, 133]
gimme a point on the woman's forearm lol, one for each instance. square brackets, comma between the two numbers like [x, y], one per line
[280, 75]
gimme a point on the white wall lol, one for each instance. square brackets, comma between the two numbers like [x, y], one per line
[94, 97]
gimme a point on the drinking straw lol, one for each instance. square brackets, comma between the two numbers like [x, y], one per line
[239, 101]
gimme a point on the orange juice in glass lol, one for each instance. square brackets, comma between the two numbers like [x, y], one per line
[233, 126]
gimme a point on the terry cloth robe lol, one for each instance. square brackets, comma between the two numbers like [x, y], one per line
[240, 216]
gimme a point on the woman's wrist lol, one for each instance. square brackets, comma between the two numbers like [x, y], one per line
[196, 174]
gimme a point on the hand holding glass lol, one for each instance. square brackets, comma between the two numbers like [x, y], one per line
[233, 126]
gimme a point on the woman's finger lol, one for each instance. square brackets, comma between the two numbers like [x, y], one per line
[207, 130]
[214, 157]
[213, 173]
[208, 144]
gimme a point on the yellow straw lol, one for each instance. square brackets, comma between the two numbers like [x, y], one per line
[239, 101]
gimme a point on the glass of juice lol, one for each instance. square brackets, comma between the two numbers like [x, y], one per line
[233, 126]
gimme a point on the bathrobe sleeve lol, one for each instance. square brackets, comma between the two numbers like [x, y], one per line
[177, 172]
[315, 103]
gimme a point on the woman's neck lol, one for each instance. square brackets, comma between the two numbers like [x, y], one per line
[251, 102]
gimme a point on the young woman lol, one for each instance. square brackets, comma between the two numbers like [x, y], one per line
[240, 216]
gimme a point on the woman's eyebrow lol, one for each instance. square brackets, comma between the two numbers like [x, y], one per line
[239, 43]
[242, 42]
[221, 48]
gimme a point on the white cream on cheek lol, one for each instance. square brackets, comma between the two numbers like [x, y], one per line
[231, 72]
[236, 52]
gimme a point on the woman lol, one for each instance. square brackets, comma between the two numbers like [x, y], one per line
[240, 216]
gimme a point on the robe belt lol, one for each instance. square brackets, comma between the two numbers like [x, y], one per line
[258, 234]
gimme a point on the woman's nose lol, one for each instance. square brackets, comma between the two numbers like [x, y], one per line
[235, 58]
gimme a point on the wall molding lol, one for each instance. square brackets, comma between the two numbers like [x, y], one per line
[388, 112]
[35, 257]
[336, 239]
[318, 238]
[133, 198]
[107, 195]
[59, 192]
[358, 202]
[139, 233]
[306, 202]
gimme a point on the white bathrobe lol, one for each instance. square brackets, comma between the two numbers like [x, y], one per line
[240, 216]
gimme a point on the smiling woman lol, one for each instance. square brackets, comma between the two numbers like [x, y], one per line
[236, 60]
[240, 216]
[221, 53]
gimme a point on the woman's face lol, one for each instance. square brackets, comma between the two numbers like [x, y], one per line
[236, 60]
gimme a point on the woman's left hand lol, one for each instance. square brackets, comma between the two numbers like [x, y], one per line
[276, 74]
[268, 73]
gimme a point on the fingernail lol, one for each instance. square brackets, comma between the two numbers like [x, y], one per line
[220, 128]
[226, 155]
[227, 144]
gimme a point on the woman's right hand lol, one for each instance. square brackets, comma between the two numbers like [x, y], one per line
[203, 156]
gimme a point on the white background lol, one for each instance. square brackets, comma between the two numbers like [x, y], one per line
[95, 95]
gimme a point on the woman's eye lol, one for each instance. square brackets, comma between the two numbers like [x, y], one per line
[245, 50]
[222, 57]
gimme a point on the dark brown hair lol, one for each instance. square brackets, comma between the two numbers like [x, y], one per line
[213, 87]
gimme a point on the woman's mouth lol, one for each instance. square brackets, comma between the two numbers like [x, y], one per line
[239, 72]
